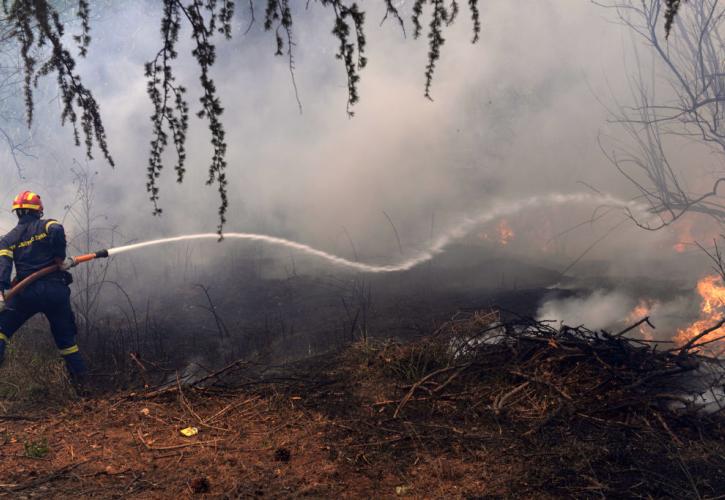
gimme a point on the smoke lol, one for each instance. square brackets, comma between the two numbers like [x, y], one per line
[596, 311]
[515, 116]
[508, 121]
[614, 310]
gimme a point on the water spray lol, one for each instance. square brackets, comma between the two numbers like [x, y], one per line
[436, 248]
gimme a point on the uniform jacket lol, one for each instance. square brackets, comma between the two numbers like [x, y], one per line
[32, 245]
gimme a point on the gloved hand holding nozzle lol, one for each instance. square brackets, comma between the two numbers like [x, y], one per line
[67, 263]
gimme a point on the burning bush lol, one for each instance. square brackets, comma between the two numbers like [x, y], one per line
[712, 310]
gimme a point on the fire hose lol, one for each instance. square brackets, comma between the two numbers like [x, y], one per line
[23, 284]
[438, 246]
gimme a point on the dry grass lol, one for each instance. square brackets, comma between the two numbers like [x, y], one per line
[380, 420]
[33, 372]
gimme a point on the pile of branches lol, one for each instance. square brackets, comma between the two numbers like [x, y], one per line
[574, 369]
[577, 411]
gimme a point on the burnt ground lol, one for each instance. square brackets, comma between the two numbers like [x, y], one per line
[250, 307]
[286, 437]
[561, 414]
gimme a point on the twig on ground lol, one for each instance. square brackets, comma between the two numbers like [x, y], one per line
[45, 479]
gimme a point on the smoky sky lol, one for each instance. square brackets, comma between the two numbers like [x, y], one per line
[517, 114]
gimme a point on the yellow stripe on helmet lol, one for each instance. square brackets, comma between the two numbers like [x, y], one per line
[25, 205]
[50, 223]
[69, 350]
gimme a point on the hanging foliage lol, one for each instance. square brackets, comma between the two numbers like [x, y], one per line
[39, 31]
[672, 7]
[37, 26]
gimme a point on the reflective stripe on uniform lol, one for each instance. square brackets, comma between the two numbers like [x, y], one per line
[69, 350]
[32, 240]
[23, 244]
[4, 337]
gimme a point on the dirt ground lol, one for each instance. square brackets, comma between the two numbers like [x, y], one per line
[341, 426]
[248, 445]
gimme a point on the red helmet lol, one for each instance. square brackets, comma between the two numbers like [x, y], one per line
[28, 200]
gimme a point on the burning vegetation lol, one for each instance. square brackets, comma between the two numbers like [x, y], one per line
[712, 311]
[642, 310]
[502, 233]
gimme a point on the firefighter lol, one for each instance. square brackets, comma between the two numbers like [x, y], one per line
[36, 243]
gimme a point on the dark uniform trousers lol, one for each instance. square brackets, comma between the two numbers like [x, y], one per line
[50, 296]
[31, 246]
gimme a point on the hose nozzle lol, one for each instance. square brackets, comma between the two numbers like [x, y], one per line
[69, 262]
[101, 254]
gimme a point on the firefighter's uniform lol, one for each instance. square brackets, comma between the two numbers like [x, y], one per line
[32, 245]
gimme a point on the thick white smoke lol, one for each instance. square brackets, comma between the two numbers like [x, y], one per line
[514, 116]
[614, 310]
[596, 311]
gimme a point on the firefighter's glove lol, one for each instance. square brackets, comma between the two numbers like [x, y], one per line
[67, 264]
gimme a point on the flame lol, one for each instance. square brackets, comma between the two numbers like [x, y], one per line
[712, 309]
[640, 311]
[504, 232]
[683, 233]
[690, 229]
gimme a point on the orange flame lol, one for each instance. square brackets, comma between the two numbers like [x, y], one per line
[683, 233]
[690, 229]
[504, 232]
[640, 311]
[712, 309]
[680, 247]
[503, 235]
